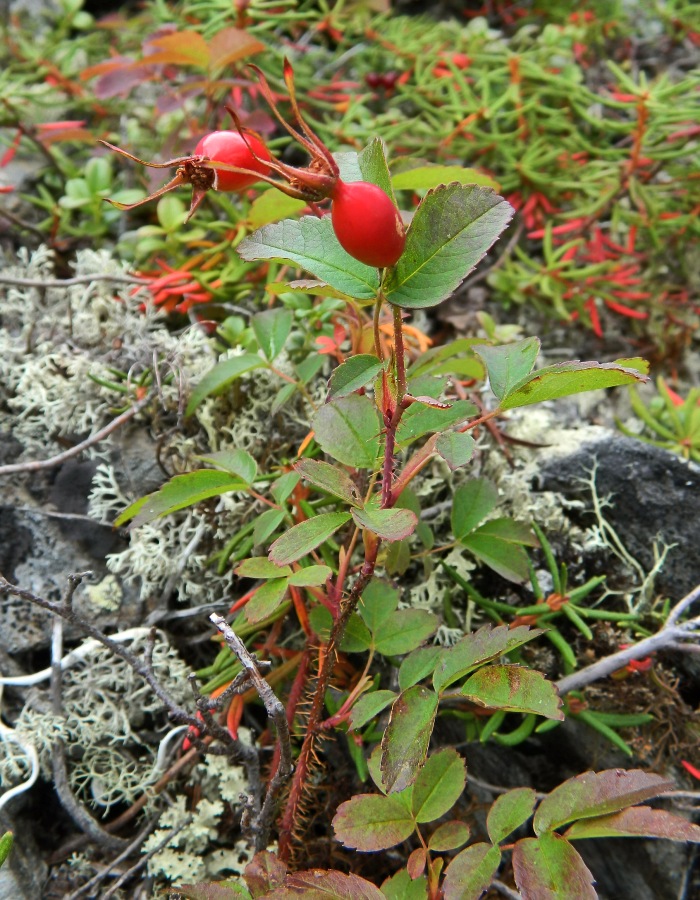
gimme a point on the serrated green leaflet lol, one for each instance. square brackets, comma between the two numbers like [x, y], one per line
[348, 430]
[406, 739]
[472, 502]
[420, 419]
[272, 327]
[449, 836]
[330, 479]
[368, 706]
[455, 448]
[373, 166]
[305, 537]
[451, 231]
[509, 811]
[388, 524]
[223, 374]
[261, 567]
[514, 689]
[266, 600]
[549, 868]
[309, 242]
[372, 822]
[378, 601]
[569, 378]
[403, 631]
[508, 364]
[470, 872]
[310, 576]
[353, 374]
[439, 785]
[499, 544]
[236, 462]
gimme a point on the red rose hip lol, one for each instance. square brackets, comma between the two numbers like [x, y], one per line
[367, 224]
[232, 148]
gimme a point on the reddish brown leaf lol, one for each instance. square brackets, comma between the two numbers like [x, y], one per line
[264, 872]
[230, 45]
[416, 863]
[186, 48]
[549, 868]
[638, 821]
[319, 884]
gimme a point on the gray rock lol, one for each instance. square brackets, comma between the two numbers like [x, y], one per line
[23, 877]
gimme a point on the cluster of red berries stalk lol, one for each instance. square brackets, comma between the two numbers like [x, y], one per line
[365, 220]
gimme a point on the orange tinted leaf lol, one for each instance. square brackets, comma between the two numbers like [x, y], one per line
[181, 47]
[230, 45]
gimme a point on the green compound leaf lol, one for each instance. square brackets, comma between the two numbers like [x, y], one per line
[550, 869]
[638, 821]
[272, 327]
[514, 689]
[310, 243]
[235, 462]
[372, 822]
[378, 601]
[260, 567]
[472, 502]
[423, 178]
[405, 741]
[221, 376]
[510, 811]
[470, 872]
[266, 600]
[508, 364]
[596, 794]
[369, 706]
[455, 448]
[348, 430]
[499, 544]
[305, 537]
[317, 884]
[420, 419]
[570, 378]
[330, 479]
[478, 648]
[388, 524]
[449, 836]
[353, 374]
[403, 631]
[179, 492]
[439, 785]
[451, 231]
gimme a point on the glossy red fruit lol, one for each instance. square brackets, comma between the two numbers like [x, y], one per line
[367, 224]
[232, 148]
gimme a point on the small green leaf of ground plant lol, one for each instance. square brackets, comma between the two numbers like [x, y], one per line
[179, 492]
[369, 706]
[317, 884]
[403, 631]
[449, 836]
[514, 689]
[402, 887]
[6, 842]
[456, 448]
[569, 378]
[439, 785]
[330, 479]
[265, 524]
[235, 461]
[353, 374]
[372, 822]
[378, 601]
[498, 544]
[470, 872]
[221, 376]
[310, 243]
[638, 821]
[549, 868]
[508, 364]
[509, 811]
[388, 524]
[266, 600]
[478, 648]
[405, 741]
[417, 665]
[310, 576]
[452, 229]
[424, 178]
[471, 504]
[284, 486]
[596, 794]
[260, 567]
[348, 430]
[272, 327]
[305, 537]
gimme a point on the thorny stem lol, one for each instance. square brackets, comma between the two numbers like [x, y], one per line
[375, 325]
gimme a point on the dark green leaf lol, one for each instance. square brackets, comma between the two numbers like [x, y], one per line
[509, 811]
[405, 741]
[471, 504]
[470, 872]
[455, 447]
[353, 374]
[596, 794]
[569, 378]
[498, 544]
[272, 327]
[284, 485]
[402, 887]
[179, 492]
[372, 822]
[418, 665]
[373, 166]
[310, 243]
[330, 479]
[369, 706]
[403, 631]
[420, 419]
[305, 537]
[357, 638]
[451, 231]
[638, 821]
[508, 364]
[550, 869]
[378, 601]
[221, 376]
[439, 785]
[266, 600]
[265, 524]
[515, 689]
[348, 430]
[449, 836]
[478, 648]
[236, 462]
[388, 524]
